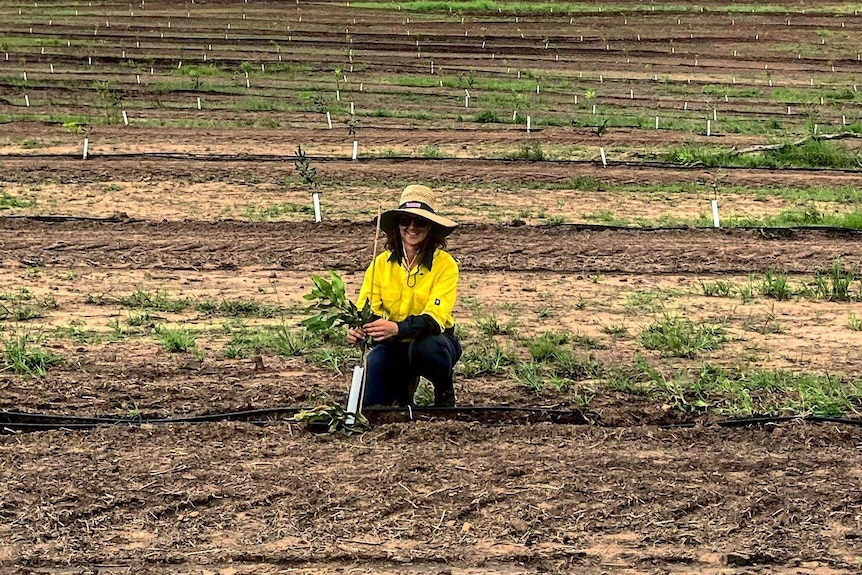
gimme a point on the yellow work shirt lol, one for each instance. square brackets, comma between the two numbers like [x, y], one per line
[433, 292]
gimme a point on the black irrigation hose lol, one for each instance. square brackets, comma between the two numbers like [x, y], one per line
[21, 422]
[778, 231]
[291, 158]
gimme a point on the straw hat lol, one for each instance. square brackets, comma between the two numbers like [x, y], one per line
[417, 201]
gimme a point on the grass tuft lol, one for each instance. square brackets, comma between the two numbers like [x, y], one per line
[23, 354]
[679, 337]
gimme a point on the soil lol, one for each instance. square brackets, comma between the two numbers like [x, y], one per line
[645, 488]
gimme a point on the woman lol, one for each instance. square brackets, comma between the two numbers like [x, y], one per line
[412, 287]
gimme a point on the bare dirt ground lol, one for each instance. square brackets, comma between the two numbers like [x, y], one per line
[634, 493]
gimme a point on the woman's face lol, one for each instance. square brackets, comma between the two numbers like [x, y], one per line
[413, 231]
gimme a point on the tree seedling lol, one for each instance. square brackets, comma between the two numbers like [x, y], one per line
[333, 307]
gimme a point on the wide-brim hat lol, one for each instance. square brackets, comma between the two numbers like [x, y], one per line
[417, 201]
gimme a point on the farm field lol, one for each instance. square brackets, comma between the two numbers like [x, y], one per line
[160, 274]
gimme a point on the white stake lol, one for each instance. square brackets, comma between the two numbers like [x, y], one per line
[337, 96]
[315, 197]
[86, 147]
[355, 149]
[352, 112]
[125, 118]
[353, 395]
[199, 103]
[52, 68]
[329, 120]
[514, 115]
[715, 222]
[466, 101]
[709, 127]
[604, 159]
[138, 78]
[528, 124]
[656, 122]
[594, 109]
[715, 115]
[27, 100]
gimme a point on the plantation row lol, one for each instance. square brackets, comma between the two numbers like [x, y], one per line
[632, 84]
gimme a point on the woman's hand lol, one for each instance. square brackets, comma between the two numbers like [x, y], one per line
[355, 335]
[381, 329]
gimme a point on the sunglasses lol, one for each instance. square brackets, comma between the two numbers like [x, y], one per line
[405, 221]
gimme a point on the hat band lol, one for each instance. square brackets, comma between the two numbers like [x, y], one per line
[420, 205]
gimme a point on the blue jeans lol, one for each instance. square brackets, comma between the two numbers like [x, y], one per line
[393, 366]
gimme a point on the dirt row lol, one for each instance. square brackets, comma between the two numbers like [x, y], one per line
[433, 498]
[345, 245]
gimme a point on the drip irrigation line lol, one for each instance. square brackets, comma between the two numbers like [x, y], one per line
[21, 422]
[390, 159]
[778, 231]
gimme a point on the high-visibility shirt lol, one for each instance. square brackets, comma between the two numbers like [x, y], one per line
[423, 290]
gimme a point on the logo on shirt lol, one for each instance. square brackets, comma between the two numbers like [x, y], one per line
[436, 302]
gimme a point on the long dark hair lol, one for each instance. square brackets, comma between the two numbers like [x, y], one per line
[433, 240]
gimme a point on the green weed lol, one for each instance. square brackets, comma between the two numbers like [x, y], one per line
[8, 201]
[24, 354]
[485, 359]
[490, 326]
[679, 337]
[529, 150]
[774, 285]
[718, 288]
[143, 299]
[175, 340]
[835, 284]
